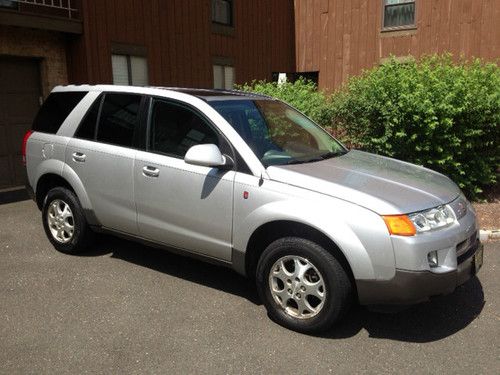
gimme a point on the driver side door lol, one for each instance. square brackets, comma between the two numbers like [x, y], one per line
[178, 204]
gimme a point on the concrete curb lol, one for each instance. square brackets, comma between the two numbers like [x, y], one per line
[485, 235]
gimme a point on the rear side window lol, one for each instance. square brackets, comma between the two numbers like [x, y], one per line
[86, 130]
[119, 119]
[55, 110]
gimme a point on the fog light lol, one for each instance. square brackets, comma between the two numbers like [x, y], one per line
[432, 258]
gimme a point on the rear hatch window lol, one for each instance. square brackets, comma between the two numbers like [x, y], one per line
[55, 110]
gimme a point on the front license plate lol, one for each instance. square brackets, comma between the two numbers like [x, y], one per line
[478, 259]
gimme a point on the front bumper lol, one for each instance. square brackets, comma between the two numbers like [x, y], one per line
[410, 287]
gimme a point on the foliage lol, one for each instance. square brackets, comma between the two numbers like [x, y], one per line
[432, 112]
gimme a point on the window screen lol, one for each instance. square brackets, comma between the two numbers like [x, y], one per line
[399, 13]
[119, 119]
[87, 127]
[222, 12]
[175, 128]
[55, 110]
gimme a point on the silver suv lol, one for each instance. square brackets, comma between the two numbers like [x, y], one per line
[248, 181]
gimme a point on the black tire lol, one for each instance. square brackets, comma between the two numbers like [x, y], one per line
[82, 236]
[338, 296]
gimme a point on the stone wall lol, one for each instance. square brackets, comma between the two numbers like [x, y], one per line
[48, 46]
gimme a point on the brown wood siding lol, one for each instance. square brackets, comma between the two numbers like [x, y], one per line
[340, 38]
[179, 40]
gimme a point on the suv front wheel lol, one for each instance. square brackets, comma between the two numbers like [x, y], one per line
[302, 285]
[64, 221]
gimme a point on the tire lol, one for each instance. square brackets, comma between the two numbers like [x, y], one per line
[61, 210]
[309, 308]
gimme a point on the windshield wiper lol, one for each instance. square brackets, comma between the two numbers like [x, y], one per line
[332, 154]
[326, 155]
[303, 161]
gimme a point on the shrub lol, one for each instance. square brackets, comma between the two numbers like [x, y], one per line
[301, 94]
[432, 112]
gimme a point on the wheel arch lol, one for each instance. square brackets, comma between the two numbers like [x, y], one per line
[47, 182]
[271, 231]
[69, 179]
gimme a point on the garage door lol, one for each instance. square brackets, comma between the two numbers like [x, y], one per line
[19, 103]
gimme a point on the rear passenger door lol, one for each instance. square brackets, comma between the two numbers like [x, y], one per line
[102, 153]
[179, 204]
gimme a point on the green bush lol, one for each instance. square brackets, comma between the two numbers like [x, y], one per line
[301, 94]
[432, 112]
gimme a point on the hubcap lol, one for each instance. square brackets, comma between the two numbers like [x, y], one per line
[60, 220]
[297, 286]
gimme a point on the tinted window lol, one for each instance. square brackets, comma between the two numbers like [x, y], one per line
[55, 110]
[86, 130]
[175, 128]
[119, 119]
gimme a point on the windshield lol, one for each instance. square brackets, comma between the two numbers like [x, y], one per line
[277, 133]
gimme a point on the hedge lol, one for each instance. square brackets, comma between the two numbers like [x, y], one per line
[433, 112]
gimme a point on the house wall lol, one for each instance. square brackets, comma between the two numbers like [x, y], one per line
[340, 38]
[180, 42]
[47, 46]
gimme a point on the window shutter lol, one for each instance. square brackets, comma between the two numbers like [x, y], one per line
[120, 69]
[139, 67]
[228, 77]
[218, 77]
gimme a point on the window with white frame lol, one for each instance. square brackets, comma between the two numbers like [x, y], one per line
[399, 14]
[223, 77]
[129, 70]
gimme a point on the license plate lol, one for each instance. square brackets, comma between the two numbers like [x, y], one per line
[478, 259]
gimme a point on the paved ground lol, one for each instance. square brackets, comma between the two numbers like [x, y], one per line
[126, 308]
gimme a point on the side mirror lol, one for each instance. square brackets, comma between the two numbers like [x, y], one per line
[207, 155]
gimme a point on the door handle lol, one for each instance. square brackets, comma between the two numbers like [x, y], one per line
[79, 157]
[150, 171]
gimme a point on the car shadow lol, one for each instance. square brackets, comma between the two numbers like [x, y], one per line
[426, 322]
[167, 262]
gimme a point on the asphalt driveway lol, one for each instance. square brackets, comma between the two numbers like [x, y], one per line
[127, 308]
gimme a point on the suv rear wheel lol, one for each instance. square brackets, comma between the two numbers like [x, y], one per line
[64, 222]
[303, 286]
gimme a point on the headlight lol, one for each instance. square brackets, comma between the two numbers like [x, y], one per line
[434, 218]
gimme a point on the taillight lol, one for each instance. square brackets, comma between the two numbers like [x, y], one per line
[25, 141]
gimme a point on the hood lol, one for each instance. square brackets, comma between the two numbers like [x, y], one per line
[384, 185]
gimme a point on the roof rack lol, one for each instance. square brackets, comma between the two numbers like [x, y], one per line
[221, 91]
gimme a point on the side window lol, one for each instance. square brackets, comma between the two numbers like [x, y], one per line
[119, 119]
[175, 128]
[86, 130]
[55, 110]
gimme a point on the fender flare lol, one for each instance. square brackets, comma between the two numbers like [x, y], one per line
[319, 216]
[59, 168]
